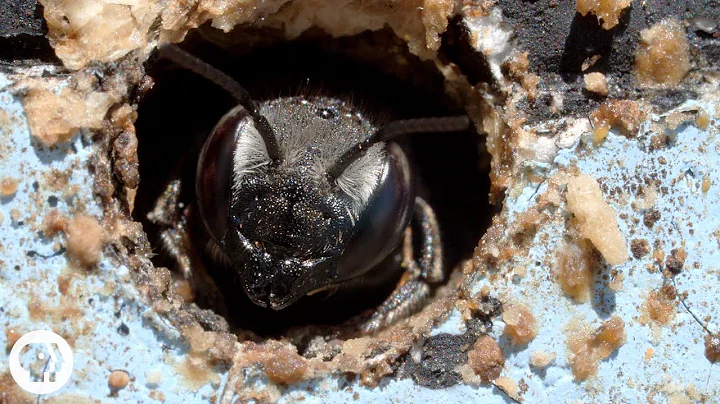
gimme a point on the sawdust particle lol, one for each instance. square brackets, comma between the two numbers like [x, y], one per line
[596, 220]
[486, 358]
[85, 239]
[11, 337]
[624, 115]
[587, 347]
[575, 268]
[508, 385]
[706, 183]
[8, 187]
[712, 348]
[520, 324]
[157, 395]
[596, 83]
[183, 289]
[53, 223]
[660, 305]
[662, 55]
[676, 260]
[119, 379]
[639, 247]
[195, 372]
[607, 10]
[541, 359]
[15, 215]
[154, 377]
[649, 354]
[702, 120]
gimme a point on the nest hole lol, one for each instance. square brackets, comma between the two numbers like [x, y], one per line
[378, 73]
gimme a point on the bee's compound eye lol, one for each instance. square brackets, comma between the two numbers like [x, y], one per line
[215, 168]
[383, 222]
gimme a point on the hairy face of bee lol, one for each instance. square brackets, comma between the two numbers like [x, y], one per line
[286, 226]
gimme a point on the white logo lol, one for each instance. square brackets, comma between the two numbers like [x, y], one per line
[56, 369]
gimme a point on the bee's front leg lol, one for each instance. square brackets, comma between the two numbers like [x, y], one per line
[172, 219]
[420, 273]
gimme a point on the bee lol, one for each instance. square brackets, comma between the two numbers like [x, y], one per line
[303, 194]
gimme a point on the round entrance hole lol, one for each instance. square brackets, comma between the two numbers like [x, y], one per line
[181, 109]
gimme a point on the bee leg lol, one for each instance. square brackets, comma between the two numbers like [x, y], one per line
[420, 274]
[431, 254]
[172, 219]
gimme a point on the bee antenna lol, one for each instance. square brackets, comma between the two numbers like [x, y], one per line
[227, 83]
[397, 129]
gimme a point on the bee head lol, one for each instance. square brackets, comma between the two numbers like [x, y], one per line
[303, 193]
